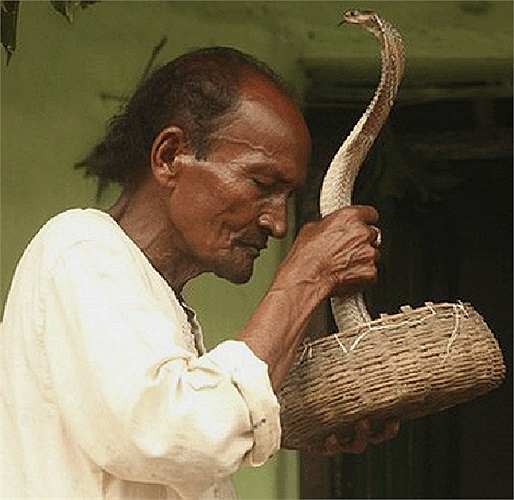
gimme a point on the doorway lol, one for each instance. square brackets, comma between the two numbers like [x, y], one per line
[440, 175]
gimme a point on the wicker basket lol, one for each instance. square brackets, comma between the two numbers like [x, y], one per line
[405, 365]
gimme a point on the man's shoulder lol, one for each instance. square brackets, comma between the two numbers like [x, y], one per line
[67, 229]
[79, 224]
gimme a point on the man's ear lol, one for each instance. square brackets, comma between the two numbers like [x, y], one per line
[170, 143]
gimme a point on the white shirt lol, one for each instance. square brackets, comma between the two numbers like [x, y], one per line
[107, 391]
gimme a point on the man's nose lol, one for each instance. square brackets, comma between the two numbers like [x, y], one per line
[274, 218]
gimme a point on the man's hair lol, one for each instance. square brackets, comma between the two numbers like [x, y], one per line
[195, 91]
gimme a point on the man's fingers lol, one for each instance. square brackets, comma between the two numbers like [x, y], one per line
[368, 213]
[389, 431]
[362, 435]
[362, 438]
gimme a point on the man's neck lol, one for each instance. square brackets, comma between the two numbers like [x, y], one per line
[142, 214]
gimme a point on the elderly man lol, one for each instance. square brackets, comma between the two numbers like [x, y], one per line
[108, 389]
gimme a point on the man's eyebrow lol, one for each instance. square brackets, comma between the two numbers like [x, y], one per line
[270, 170]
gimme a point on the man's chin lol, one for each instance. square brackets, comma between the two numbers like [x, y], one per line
[236, 274]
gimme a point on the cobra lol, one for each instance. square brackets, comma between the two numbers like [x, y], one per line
[337, 186]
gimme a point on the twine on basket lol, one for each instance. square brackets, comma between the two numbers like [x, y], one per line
[371, 327]
[407, 365]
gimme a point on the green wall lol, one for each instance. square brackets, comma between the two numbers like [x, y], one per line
[53, 110]
[52, 113]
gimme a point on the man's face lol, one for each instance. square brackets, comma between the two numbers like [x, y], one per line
[226, 207]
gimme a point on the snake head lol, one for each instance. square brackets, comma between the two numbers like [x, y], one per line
[358, 17]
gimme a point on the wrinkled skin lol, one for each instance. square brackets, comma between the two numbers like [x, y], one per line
[215, 215]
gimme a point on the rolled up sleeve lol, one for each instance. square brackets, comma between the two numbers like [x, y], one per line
[250, 375]
[133, 396]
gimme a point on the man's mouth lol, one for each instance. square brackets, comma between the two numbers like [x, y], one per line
[253, 246]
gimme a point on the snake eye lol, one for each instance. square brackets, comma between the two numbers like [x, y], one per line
[351, 15]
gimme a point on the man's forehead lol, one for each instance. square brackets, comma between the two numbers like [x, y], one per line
[267, 132]
[253, 145]
[284, 166]
[258, 121]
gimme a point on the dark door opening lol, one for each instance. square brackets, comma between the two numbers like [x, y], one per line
[441, 176]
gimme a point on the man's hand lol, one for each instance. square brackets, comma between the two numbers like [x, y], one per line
[361, 441]
[339, 253]
[334, 256]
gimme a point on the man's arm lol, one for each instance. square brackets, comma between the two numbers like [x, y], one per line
[337, 255]
[334, 255]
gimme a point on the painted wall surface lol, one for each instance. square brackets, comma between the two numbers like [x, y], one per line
[52, 112]
[65, 81]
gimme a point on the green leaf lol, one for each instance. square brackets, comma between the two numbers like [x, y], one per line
[9, 23]
[8, 26]
[66, 8]
[87, 3]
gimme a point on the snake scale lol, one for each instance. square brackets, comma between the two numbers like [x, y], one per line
[337, 186]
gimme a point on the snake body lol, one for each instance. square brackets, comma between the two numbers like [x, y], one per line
[336, 190]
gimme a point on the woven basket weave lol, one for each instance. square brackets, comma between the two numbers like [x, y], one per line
[405, 365]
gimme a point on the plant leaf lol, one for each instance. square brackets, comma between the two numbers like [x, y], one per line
[87, 3]
[66, 8]
[9, 23]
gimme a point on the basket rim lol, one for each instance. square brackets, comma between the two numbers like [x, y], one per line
[406, 310]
